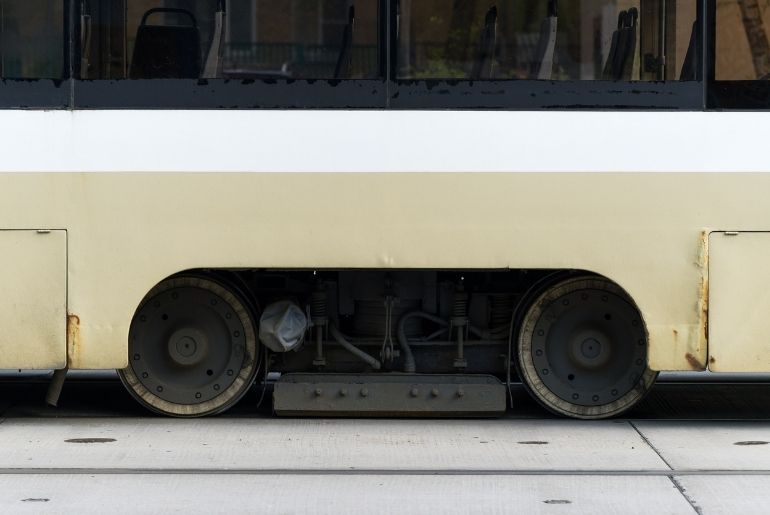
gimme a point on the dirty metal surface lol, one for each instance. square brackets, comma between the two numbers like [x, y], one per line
[739, 328]
[389, 395]
[33, 298]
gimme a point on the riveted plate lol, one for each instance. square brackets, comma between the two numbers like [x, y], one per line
[375, 395]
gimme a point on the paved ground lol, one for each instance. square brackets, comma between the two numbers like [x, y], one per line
[689, 448]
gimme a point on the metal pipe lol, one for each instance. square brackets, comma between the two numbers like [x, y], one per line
[403, 341]
[339, 338]
[319, 360]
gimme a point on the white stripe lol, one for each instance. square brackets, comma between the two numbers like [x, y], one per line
[345, 141]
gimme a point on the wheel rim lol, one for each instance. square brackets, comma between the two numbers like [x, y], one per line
[192, 348]
[582, 349]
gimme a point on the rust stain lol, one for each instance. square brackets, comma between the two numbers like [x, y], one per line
[703, 297]
[694, 363]
[73, 339]
[712, 360]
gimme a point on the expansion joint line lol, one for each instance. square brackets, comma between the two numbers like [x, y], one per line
[671, 477]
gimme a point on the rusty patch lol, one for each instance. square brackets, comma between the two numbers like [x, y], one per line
[703, 298]
[694, 363]
[712, 360]
[73, 338]
[533, 442]
[752, 442]
[90, 440]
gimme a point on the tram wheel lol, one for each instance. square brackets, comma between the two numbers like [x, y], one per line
[192, 348]
[582, 349]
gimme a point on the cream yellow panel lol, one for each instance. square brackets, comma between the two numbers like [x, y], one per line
[33, 299]
[739, 310]
[646, 231]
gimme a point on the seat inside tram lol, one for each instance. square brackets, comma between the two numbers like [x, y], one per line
[342, 39]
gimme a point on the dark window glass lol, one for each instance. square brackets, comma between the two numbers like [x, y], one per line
[32, 42]
[626, 40]
[233, 39]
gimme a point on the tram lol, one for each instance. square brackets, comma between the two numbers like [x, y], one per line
[388, 207]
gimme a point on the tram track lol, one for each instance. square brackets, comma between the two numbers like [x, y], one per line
[377, 472]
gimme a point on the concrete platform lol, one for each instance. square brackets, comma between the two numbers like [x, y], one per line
[689, 448]
[717, 445]
[727, 495]
[332, 494]
[320, 444]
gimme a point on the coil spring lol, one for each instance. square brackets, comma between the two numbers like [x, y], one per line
[500, 309]
[318, 305]
[460, 305]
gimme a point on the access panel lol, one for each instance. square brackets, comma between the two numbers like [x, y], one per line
[33, 299]
[739, 302]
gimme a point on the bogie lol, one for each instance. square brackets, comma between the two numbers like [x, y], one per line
[417, 340]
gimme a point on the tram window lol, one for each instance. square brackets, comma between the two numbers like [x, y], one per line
[629, 40]
[229, 39]
[32, 39]
[742, 40]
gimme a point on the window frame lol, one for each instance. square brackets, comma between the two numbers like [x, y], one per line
[272, 93]
[526, 94]
[387, 92]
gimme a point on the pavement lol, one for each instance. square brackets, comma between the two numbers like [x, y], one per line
[688, 448]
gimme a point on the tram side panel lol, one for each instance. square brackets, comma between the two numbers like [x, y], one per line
[33, 299]
[739, 310]
[127, 232]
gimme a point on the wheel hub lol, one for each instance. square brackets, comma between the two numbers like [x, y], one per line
[590, 349]
[187, 346]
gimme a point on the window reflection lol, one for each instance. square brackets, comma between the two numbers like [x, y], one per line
[233, 39]
[742, 47]
[31, 39]
[546, 40]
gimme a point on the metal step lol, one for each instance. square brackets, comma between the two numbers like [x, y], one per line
[396, 395]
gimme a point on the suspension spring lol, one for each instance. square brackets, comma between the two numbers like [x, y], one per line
[318, 315]
[460, 321]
